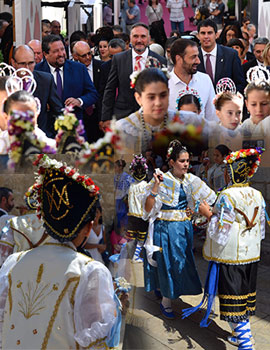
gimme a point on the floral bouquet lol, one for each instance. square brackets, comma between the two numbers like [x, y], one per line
[99, 156]
[190, 135]
[23, 140]
[70, 129]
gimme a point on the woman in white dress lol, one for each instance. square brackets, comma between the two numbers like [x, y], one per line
[97, 234]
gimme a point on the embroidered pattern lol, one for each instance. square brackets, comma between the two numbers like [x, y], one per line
[34, 296]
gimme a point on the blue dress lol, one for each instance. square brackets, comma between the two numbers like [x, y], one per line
[175, 273]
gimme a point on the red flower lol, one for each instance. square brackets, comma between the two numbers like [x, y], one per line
[72, 172]
[80, 178]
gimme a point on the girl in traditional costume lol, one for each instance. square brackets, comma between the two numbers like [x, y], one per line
[137, 227]
[171, 270]
[257, 95]
[229, 106]
[236, 228]
[152, 94]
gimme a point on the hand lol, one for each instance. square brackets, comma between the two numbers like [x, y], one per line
[158, 178]
[72, 102]
[104, 125]
[101, 248]
[124, 298]
[204, 209]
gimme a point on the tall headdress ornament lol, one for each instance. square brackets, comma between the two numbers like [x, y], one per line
[65, 198]
[226, 85]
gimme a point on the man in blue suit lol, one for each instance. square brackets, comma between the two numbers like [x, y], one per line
[74, 85]
[216, 60]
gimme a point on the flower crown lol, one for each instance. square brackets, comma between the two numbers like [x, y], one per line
[244, 153]
[138, 160]
[188, 91]
[150, 62]
[21, 127]
[44, 163]
[226, 85]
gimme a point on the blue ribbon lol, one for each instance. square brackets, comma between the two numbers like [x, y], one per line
[267, 216]
[222, 205]
[197, 204]
[210, 291]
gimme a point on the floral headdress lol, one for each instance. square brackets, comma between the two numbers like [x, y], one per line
[258, 75]
[23, 141]
[150, 62]
[188, 91]
[65, 197]
[226, 85]
[138, 167]
[69, 129]
[243, 164]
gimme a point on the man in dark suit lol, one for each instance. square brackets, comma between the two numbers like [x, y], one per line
[23, 57]
[74, 85]
[81, 52]
[6, 200]
[123, 65]
[259, 45]
[216, 60]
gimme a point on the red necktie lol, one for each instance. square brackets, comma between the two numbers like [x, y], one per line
[208, 67]
[138, 63]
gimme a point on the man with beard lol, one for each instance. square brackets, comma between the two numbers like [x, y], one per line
[184, 76]
[74, 86]
[123, 64]
[6, 201]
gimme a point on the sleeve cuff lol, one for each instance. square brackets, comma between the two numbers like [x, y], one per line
[81, 101]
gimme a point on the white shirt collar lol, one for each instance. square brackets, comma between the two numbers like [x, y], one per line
[6, 213]
[212, 53]
[52, 69]
[144, 54]
[90, 67]
[176, 80]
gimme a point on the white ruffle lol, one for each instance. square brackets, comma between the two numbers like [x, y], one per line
[94, 308]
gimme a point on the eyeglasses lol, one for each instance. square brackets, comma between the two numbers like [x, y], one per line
[85, 55]
[25, 64]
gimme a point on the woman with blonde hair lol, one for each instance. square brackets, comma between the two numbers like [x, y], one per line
[266, 55]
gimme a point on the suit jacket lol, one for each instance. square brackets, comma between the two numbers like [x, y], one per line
[77, 84]
[248, 65]
[228, 65]
[47, 94]
[125, 103]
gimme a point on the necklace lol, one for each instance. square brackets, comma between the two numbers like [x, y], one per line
[145, 140]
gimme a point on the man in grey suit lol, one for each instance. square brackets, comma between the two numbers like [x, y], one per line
[118, 99]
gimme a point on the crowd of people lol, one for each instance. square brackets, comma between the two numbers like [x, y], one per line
[188, 117]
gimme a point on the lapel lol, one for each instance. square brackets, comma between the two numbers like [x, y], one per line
[46, 66]
[66, 74]
[219, 63]
[96, 71]
[201, 66]
[129, 65]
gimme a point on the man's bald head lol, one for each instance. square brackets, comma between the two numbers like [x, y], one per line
[36, 47]
[23, 57]
[55, 27]
[81, 52]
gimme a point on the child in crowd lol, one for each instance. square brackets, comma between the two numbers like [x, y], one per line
[96, 243]
[189, 102]
[258, 105]
[213, 5]
[216, 179]
[137, 227]
[152, 94]
[23, 101]
[229, 106]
